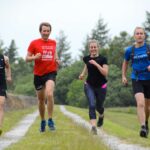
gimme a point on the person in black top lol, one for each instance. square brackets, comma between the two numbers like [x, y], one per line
[95, 86]
[4, 67]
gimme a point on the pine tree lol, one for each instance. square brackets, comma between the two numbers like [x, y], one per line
[63, 47]
[2, 49]
[98, 33]
[85, 50]
[146, 25]
[11, 52]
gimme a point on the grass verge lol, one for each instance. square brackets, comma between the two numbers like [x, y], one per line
[68, 136]
[120, 122]
[11, 118]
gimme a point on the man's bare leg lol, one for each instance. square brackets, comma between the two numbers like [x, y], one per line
[2, 100]
[50, 97]
[50, 102]
[41, 105]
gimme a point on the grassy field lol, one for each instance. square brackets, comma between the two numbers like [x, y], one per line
[68, 136]
[11, 118]
[120, 122]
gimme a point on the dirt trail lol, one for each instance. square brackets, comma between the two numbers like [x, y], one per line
[112, 142]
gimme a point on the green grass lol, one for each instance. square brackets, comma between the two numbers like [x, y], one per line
[120, 122]
[68, 136]
[11, 118]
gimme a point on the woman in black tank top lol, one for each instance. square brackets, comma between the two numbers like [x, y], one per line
[95, 85]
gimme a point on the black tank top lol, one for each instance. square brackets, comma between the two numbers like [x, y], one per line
[2, 73]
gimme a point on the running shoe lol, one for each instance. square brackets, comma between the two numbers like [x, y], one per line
[100, 121]
[147, 128]
[143, 132]
[43, 125]
[51, 124]
[94, 130]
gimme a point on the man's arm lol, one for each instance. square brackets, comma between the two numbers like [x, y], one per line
[57, 58]
[124, 71]
[8, 69]
[30, 57]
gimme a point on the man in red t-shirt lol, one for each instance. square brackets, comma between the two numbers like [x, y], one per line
[43, 52]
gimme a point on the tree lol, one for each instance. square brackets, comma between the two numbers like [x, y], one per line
[85, 49]
[20, 69]
[24, 85]
[117, 94]
[98, 33]
[1, 47]
[11, 52]
[75, 95]
[64, 78]
[146, 25]
[63, 50]
[117, 46]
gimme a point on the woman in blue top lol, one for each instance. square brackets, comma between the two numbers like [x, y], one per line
[140, 77]
[95, 86]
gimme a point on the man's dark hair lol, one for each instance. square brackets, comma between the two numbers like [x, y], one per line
[44, 24]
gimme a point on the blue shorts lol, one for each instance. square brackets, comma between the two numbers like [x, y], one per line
[39, 81]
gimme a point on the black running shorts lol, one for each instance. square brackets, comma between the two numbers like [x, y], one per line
[39, 81]
[141, 86]
[2, 92]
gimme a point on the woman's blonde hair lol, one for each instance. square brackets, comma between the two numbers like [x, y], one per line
[93, 41]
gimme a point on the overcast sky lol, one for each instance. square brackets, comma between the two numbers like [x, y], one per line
[20, 19]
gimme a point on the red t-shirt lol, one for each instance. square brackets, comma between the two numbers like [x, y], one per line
[47, 61]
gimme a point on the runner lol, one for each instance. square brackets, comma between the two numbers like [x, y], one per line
[95, 86]
[4, 68]
[43, 52]
[138, 54]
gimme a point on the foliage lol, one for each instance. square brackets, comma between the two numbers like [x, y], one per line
[75, 95]
[146, 25]
[63, 50]
[69, 90]
[98, 33]
[20, 72]
[2, 49]
[117, 46]
[65, 77]
[11, 52]
[117, 94]
[85, 50]
[25, 86]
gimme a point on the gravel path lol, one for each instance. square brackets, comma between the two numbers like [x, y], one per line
[112, 142]
[18, 132]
